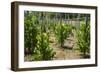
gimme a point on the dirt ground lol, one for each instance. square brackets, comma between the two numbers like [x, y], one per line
[68, 51]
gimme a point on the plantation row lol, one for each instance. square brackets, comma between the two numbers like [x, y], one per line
[38, 30]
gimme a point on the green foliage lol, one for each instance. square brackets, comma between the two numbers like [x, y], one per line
[30, 32]
[39, 25]
[83, 39]
[62, 32]
[43, 51]
[36, 38]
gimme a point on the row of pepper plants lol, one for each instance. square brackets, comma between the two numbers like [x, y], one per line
[36, 37]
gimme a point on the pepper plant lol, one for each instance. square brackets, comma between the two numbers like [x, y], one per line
[83, 39]
[43, 51]
[30, 32]
[62, 32]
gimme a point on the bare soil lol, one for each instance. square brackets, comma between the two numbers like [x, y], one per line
[68, 51]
